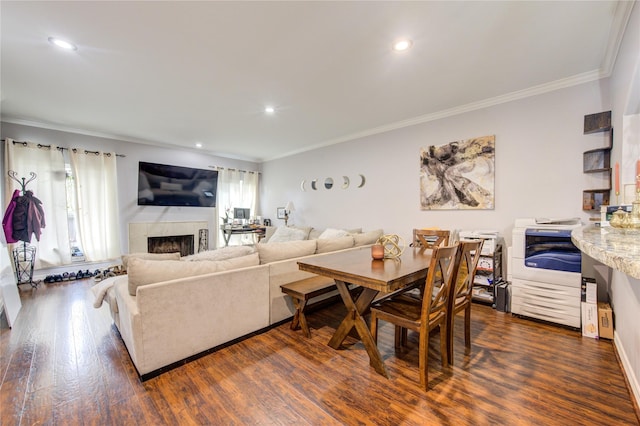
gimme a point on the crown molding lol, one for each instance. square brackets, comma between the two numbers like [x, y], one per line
[120, 138]
[621, 17]
[474, 106]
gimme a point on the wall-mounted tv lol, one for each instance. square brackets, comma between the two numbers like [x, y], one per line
[164, 185]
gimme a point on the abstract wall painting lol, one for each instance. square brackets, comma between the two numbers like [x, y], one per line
[458, 175]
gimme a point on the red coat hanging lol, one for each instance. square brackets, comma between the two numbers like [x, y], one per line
[7, 220]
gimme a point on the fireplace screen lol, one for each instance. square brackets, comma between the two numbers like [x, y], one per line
[171, 244]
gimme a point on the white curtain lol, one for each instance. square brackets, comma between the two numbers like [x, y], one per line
[47, 163]
[236, 188]
[96, 187]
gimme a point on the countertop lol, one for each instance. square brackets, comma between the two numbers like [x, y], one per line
[612, 246]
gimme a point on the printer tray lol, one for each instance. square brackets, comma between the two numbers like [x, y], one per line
[555, 260]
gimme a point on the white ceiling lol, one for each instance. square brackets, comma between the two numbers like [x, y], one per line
[177, 73]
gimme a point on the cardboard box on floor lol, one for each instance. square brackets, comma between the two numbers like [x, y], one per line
[605, 321]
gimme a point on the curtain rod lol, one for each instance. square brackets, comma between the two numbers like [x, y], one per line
[61, 148]
[231, 168]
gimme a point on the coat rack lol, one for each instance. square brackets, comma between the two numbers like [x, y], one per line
[24, 256]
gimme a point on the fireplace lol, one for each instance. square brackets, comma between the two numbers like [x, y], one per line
[171, 244]
[140, 235]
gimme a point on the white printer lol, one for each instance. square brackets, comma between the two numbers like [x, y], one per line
[545, 270]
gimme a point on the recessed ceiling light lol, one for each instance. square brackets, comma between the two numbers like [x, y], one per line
[198, 145]
[269, 109]
[63, 44]
[402, 44]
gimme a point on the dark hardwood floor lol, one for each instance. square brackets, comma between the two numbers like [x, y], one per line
[63, 363]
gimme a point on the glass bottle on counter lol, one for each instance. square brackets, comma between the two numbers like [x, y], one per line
[633, 221]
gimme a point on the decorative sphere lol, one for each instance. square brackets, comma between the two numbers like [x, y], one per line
[393, 245]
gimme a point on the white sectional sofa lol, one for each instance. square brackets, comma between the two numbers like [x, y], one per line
[166, 313]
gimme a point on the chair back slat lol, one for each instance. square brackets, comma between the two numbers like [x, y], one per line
[440, 269]
[465, 268]
[429, 238]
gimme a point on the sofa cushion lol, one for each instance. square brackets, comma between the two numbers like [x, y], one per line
[333, 233]
[315, 233]
[305, 229]
[143, 271]
[239, 262]
[369, 237]
[286, 250]
[223, 253]
[284, 234]
[326, 245]
[149, 256]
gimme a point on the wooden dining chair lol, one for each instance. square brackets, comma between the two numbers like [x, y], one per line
[464, 272]
[429, 238]
[408, 313]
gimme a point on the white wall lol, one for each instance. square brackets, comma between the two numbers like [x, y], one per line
[128, 173]
[625, 291]
[538, 168]
[539, 146]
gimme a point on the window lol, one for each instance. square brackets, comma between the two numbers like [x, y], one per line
[77, 254]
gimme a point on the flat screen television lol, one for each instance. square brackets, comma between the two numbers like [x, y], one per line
[164, 185]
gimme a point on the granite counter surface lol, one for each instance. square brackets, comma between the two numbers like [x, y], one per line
[613, 247]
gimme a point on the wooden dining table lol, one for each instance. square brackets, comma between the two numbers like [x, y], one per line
[357, 268]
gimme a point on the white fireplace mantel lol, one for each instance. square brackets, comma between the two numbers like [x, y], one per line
[139, 232]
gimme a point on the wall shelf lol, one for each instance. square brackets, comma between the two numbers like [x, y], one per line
[597, 161]
[592, 199]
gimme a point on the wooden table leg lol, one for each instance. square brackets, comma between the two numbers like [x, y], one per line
[299, 318]
[227, 236]
[355, 319]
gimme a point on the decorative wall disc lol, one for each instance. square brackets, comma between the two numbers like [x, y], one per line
[328, 183]
[345, 182]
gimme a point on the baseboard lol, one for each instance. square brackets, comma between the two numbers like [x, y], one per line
[627, 369]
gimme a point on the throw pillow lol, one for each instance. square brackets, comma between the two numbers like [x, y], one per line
[273, 252]
[268, 233]
[142, 271]
[315, 233]
[333, 233]
[149, 256]
[326, 245]
[223, 253]
[284, 234]
[369, 237]
[305, 229]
